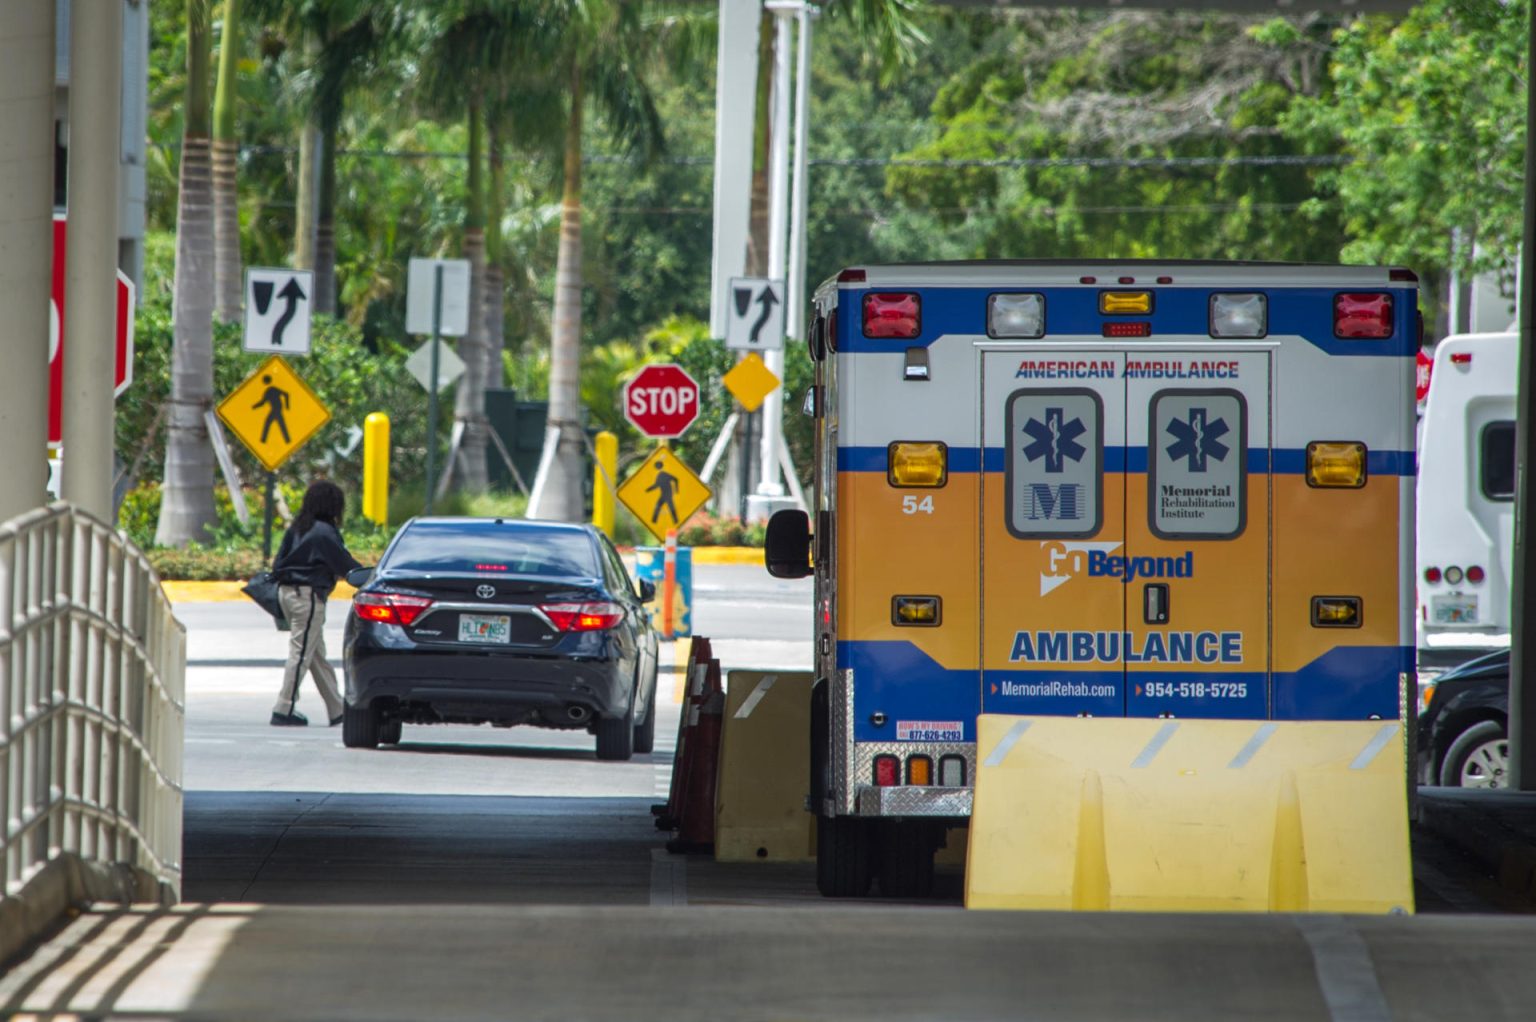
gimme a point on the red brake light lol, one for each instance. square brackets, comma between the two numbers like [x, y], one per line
[1127, 329]
[583, 617]
[1127, 280]
[1362, 315]
[887, 770]
[1461, 358]
[1475, 574]
[390, 608]
[851, 277]
[1431, 574]
[891, 314]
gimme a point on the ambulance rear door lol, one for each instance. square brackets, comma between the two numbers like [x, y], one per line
[1195, 569]
[1053, 513]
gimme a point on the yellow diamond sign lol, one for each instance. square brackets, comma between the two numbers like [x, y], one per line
[664, 493]
[751, 381]
[273, 412]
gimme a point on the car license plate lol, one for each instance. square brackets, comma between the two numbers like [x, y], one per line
[1455, 609]
[485, 628]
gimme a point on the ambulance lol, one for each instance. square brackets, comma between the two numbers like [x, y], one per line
[1095, 489]
[1467, 492]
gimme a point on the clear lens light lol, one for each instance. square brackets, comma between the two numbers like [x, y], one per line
[1016, 315]
[1239, 315]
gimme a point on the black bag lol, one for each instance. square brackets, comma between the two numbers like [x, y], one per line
[262, 588]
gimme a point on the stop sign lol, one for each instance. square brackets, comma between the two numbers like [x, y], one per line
[661, 401]
[122, 347]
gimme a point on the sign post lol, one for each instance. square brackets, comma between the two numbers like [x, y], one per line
[436, 302]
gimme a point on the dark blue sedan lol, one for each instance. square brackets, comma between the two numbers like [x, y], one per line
[500, 621]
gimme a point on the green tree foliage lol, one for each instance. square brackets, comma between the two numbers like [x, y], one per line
[1432, 108]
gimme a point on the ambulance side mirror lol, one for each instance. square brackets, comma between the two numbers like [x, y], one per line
[787, 548]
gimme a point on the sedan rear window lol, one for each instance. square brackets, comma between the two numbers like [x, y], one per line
[476, 548]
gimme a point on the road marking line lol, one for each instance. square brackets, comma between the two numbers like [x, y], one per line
[1374, 746]
[1004, 747]
[1346, 975]
[669, 878]
[746, 708]
[1252, 748]
[1155, 746]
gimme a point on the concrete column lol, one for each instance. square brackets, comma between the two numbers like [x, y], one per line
[90, 266]
[26, 250]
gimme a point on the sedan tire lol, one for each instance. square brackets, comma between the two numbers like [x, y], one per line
[360, 727]
[645, 731]
[1478, 758]
[616, 736]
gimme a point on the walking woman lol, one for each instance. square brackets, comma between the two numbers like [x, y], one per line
[308, 563]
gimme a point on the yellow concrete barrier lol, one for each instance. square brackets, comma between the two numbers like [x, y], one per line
[1189, 816]
[765, 753]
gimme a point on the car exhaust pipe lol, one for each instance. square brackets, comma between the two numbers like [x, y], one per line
[577, 713]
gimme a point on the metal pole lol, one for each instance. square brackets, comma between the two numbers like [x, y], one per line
[1522, 654]
[795, 283]
[26, 257]
[748, 418]
[269, 499]
[768, 484]
[437, 326]
[90, 265]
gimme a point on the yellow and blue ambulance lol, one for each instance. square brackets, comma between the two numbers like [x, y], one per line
[1095, 489]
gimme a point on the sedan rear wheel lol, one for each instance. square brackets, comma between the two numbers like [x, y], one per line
[390, 731]
[645, 731]
[616, 737]
[1478, 758]
[360, 727]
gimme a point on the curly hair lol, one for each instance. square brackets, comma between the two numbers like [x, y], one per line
[323, 502]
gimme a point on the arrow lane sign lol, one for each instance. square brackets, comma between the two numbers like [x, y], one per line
[280, 326]
[755, 314]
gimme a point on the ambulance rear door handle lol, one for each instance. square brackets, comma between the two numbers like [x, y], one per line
[1155, 603]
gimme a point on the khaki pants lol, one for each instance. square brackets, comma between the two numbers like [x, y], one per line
[305, 610]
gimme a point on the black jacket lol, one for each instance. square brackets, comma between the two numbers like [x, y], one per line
[314, 559]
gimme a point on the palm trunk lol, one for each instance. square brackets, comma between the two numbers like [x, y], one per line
[562, 499]
[186, 507]
[226, 151]
[304, 198]
[757, 236]
[469, 405]
[325, 225]
[495, 277]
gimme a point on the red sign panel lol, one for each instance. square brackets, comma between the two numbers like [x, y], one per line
[122, 347]
[661, 401]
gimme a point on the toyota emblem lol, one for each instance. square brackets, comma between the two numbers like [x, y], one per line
[485, 592]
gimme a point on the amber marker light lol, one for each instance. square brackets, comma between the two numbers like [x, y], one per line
[1125, 303]
[915, 610]
[914, 463]
[1338, 464]
[1335, 612]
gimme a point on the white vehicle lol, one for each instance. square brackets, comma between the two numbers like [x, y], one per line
[1466, 492]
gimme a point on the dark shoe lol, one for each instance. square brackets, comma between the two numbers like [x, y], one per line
[289, 720]
[336, 719]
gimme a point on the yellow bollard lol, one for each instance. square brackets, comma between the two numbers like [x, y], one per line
[376, 467]
[604, 503]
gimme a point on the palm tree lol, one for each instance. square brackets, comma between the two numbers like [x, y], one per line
[602, 53]
[186, 508]
[226, 153]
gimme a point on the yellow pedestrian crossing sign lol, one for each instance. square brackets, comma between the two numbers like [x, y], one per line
[273, 412]
[663, 493]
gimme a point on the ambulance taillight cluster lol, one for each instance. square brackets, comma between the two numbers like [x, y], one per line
[919, 772]
[1454, 575]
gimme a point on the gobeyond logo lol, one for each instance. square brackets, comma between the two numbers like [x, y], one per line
[1066, 560]
[1197, 439]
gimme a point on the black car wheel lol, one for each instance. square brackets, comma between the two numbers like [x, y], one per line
[360, 727]
[616, 736]
[645, 731]
[1478, 758]
[390, 732]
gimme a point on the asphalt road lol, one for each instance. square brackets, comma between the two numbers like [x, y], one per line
[474, 873]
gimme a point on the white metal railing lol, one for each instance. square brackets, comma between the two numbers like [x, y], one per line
[92, 675]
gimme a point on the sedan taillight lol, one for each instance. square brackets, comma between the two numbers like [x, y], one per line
[390, 608]
[583, 617]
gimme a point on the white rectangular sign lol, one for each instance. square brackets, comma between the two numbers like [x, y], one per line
[420, 291]
[277, 306]
[754, 314]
